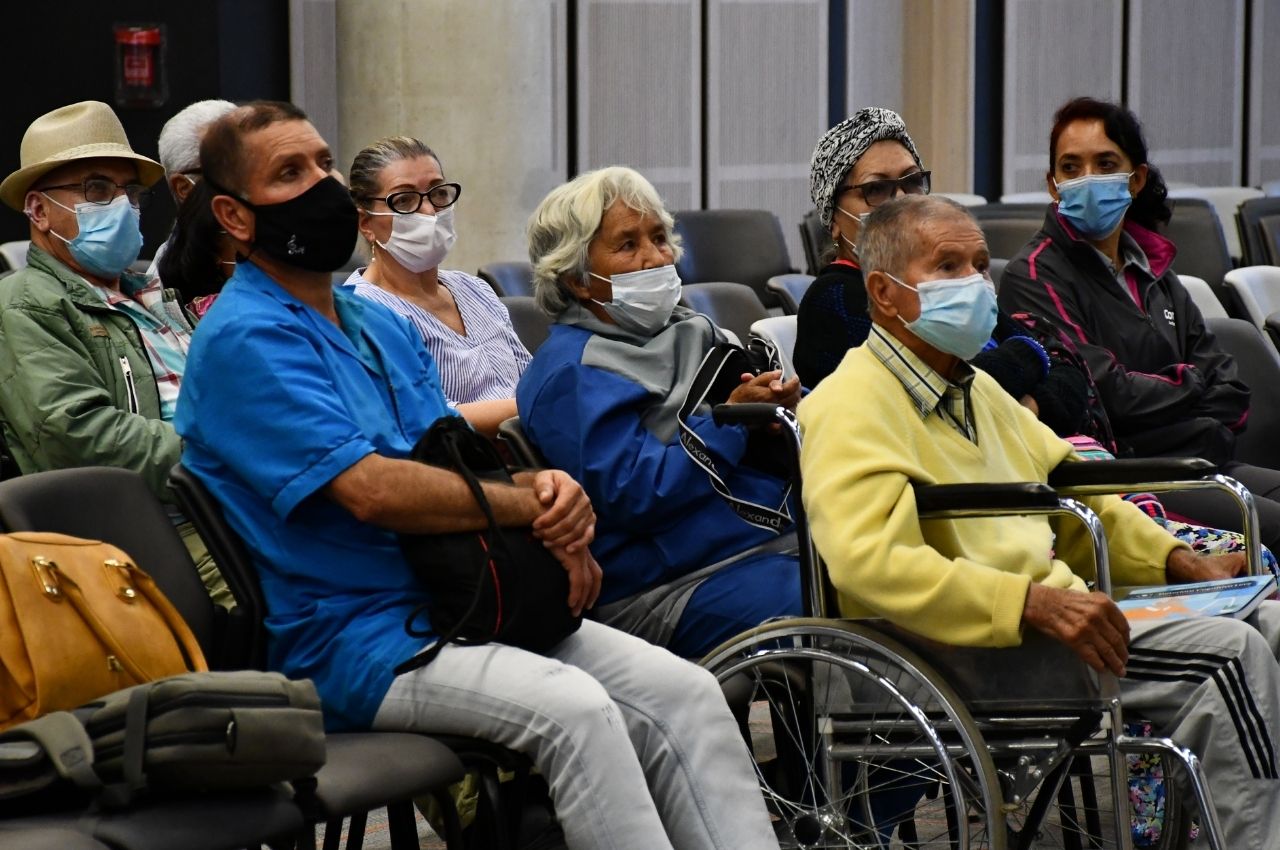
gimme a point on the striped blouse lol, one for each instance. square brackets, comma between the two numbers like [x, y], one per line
[482, 365]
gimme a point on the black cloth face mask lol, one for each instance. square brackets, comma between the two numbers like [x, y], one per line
[315, 231]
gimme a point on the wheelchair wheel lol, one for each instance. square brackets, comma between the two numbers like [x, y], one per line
[858, 743]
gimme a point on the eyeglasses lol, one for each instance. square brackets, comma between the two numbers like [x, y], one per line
[409, 202]
[876, 192]
[100, 190]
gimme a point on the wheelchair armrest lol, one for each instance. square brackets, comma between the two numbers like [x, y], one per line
[749, 413]
[1130, 472]
[984, 498]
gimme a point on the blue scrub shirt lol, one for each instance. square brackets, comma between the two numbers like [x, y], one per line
[275, 403]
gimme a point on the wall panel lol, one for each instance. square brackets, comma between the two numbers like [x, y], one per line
[1053, 51]
[877, 38]
[1186, 83]
[766, 105]
[1264, 93]
[639, 92]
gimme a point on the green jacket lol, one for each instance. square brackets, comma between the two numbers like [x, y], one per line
[76, 387]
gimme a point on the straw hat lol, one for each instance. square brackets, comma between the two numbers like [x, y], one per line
[80, 131]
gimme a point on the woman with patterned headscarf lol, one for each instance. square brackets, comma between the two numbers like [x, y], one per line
[857, 165]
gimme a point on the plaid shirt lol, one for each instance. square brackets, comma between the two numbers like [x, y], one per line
[928, 390]
[165, 332]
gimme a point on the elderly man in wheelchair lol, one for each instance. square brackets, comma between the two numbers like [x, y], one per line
[876, 738]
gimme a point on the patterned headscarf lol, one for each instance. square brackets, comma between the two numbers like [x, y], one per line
[840, 148]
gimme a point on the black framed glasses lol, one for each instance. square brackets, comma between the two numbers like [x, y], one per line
[876, 192]
[101, 191]
[408, 202]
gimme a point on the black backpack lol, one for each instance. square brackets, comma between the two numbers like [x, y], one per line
[498, 584]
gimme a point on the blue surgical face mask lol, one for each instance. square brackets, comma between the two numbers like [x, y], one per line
[956, 316]
[109, 238]
[1094, 204]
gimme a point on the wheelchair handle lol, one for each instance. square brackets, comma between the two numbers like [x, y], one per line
[1129, 472]
[747, 413]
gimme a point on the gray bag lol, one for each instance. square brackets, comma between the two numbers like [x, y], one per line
[192, 732]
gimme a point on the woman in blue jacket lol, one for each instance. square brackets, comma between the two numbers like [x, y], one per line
[691, 550]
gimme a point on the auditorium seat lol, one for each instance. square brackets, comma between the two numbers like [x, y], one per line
[1226, 201]
[1202, 247]
[743, 246]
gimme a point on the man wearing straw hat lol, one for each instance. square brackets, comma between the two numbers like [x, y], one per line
[91, 357]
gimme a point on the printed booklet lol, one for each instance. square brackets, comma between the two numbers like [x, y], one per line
[1231, 597]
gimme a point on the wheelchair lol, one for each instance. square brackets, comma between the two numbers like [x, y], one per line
[866, 736]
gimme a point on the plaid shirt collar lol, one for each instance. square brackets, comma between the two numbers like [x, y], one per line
[929, 391]
[165, 338]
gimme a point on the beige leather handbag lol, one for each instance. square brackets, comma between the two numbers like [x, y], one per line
[79, 620]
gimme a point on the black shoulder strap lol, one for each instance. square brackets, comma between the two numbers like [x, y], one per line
[451, 443]
[773, 519]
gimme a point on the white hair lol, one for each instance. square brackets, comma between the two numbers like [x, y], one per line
[562, 227]
[891, 236]
[180, 136]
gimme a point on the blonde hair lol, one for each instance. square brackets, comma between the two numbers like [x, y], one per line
[564, 224]
[369, 164]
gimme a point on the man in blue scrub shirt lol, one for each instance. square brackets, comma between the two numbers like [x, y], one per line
[299, 409]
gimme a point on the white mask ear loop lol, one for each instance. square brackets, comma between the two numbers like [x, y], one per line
[65, 207]
[860, 219]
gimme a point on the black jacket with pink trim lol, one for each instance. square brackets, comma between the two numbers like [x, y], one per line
[1167, 386]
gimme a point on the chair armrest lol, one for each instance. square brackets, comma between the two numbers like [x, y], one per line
[1129, 473]
[984, 498]
[749, 413]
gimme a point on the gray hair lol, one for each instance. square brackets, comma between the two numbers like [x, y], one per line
[891, 234]
[368, 165]
[181, 134]
[563, 226]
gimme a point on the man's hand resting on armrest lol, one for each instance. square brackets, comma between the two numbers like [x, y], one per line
[1089, 623]
[1184, 566]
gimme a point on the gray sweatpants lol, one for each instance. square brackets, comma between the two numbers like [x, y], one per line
[1213, 684]
[638, 746]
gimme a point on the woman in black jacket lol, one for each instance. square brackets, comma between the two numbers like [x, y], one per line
[1101, 271]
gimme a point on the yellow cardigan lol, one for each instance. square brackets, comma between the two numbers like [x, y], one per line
[964, 581]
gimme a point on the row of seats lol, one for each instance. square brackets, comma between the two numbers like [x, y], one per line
[732, 306]
[748, 247]
[735, 306]
[743, 246]
[363, 772]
